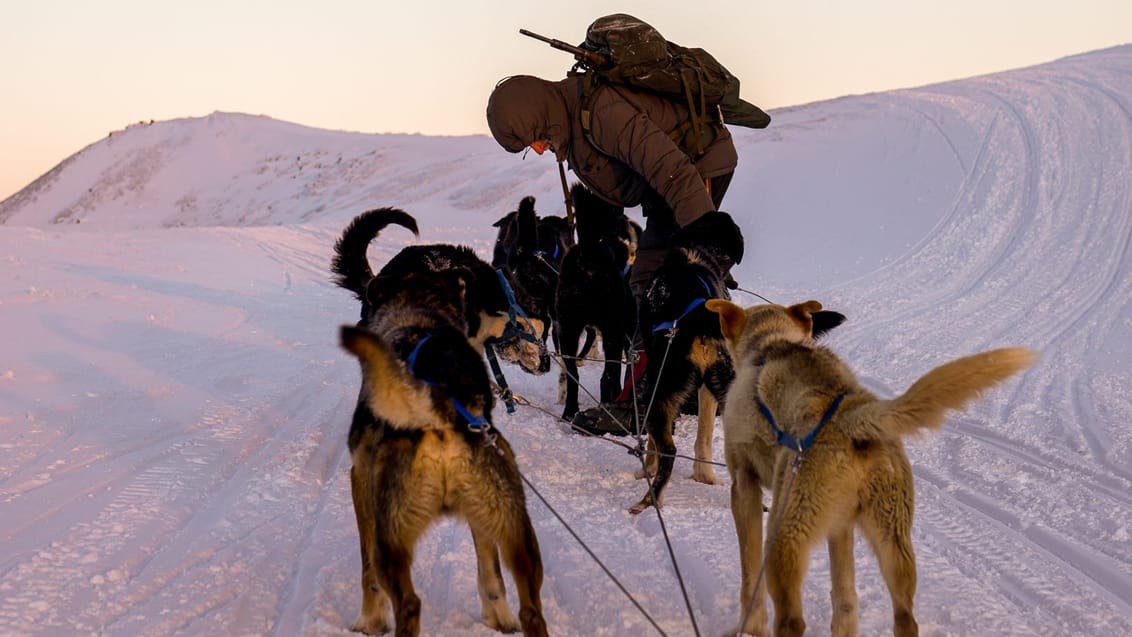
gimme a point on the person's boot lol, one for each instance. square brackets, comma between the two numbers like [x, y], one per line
[621, 417]
[625, 416]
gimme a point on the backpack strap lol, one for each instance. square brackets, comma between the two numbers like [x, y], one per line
[591, 85]
[694, 126]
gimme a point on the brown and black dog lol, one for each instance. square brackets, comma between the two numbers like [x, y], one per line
[422, 446]
[798, 422]
[528, 253]
[686, 351]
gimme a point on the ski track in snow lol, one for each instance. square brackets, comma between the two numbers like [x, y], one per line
[1048, 560]
[183, 469]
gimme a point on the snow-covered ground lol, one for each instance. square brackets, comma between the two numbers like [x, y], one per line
[174, 406]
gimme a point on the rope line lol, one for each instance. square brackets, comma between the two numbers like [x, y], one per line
[593, 555]
[755, 294]
[641, 453]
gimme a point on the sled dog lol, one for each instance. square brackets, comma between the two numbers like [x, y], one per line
[422, 446]
[528, 253]
[798, 422]
[686, 351]
[593, 292]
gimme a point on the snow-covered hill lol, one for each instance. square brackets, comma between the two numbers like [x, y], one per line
[173, 404]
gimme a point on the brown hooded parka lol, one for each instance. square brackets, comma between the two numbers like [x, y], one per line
[633, 155]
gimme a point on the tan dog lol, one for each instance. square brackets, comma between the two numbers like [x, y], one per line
[854, 473]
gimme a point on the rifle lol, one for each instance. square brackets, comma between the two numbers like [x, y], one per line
[592, 59]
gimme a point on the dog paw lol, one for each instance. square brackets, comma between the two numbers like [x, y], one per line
[645, 503]
[704, 474]
[640, 474]
[503, 623]
[755, 625]
[375, 625]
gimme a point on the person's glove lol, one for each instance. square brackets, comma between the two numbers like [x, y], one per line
[715, 232]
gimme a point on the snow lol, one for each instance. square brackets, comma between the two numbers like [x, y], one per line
[174, 405]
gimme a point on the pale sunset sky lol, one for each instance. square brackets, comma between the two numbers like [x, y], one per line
[73, 71]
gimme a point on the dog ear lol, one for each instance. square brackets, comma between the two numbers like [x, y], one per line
[526, 224]
[826, 320]
[504, 220]
[802, 313]
[732, 318]
[375, 287]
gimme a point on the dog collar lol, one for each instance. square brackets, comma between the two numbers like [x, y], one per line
[475, 423]
[514, 313]
[671, 325]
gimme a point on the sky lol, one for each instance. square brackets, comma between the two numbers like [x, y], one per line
[74, 71]
[174, 404]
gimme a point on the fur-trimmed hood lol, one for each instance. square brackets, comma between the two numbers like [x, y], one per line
[524, 109]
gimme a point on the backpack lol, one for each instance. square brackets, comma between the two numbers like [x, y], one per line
[640, 58]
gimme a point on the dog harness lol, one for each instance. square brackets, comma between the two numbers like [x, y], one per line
[514, 313]
[475, 423]
[513, 330]
[671, 325]
[542, 254]
[787, 440]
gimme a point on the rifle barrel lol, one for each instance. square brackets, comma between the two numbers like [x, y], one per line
[589, 58]
[532, 34]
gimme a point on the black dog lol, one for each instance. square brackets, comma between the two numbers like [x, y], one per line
[686, 350]
[528, 251]
[489, 312]
[593, 291]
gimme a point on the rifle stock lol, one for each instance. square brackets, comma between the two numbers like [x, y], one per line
[591, 59]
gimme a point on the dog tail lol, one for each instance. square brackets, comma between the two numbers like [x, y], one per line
[950, 386]
[391, 392]
[350, 265]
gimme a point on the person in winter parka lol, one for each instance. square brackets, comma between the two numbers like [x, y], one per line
[631, 160]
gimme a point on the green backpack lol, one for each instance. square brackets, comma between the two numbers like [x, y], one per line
[640, 58]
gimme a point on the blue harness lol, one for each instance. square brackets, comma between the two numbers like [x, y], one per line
[475, 423]
[542, 254]
[785, 439]
[671, 325]
[514, 313]
[513, 330]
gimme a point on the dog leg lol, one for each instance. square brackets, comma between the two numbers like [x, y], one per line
[787, 555]
[395, 576]
[611, 372]
[568, 340]
[843, 594]
[649, 468]
[892, 544]
[660, 434]
[521, 554]
[374, 617]
[702, 470]
[493, 593]
[747, 509]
